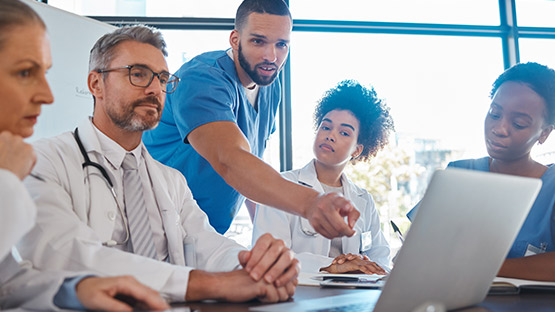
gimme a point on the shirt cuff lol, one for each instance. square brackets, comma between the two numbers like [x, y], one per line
[66, 297]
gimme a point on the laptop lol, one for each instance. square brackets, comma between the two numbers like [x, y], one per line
[461, 234]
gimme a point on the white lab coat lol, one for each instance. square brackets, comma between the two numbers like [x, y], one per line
[21, 286]
[313, 251]
[76, 215]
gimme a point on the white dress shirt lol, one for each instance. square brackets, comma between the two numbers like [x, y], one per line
[114, 154]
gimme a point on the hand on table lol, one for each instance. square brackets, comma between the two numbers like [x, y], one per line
[98, 293]
[235, 286]
[350, 263]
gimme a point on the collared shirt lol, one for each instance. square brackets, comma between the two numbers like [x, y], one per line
[114, 155]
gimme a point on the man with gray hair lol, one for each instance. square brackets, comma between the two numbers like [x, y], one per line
[106, 206]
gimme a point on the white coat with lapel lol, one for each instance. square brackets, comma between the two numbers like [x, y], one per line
[76, 214]
[21, 286]
[313, 250]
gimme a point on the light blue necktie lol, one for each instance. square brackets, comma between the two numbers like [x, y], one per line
[135, 207]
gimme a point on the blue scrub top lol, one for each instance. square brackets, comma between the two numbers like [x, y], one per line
[210, 90]
[538, 229]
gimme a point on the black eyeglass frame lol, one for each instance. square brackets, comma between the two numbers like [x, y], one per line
[170, 81]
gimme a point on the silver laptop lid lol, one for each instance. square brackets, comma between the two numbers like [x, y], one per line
[462, 232]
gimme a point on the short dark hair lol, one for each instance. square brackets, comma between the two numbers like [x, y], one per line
[371, 112]
[15, 13]
[275, 7]
[537, 77]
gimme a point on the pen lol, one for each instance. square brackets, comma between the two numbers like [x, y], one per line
[397, 231]
[37, 177]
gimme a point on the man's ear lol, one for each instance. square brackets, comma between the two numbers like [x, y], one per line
[545, 134]
[234, 40]
[95, 84]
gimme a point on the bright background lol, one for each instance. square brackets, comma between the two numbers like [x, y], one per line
[437, 86]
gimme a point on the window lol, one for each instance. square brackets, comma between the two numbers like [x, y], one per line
[436, 85]
[538, 13]
[437, 88]
[158, 8]
[423, 11]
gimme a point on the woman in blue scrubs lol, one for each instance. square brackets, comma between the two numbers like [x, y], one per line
[521, 115]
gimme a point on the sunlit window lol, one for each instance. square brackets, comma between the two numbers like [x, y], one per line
[538, 13]
[437, 88]
[154, 8]
[407, 11]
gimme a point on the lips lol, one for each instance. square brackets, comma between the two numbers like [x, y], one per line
[496, 144]
[32, 118]
[327, 147]
[267, 69]
[152, 102]
[151, 105]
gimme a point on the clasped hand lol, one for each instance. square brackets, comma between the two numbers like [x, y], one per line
[271, 262]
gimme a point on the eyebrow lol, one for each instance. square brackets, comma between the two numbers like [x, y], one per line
[35, 63]
[342, 125]
[513, 114]
[144, 65]
[265, 37]
[496, 105]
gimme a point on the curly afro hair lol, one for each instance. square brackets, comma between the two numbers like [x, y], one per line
[537, 77]
[372, 113]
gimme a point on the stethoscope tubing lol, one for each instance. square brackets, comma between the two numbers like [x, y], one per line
[104, 173]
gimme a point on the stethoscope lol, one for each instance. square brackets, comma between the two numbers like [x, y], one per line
[110, 184]
[303, 230]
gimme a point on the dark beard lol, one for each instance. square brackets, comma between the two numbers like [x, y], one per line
[259, 80]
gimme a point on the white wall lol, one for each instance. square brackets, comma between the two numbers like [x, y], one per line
[71, 38]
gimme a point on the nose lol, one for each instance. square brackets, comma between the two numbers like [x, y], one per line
[155, 87]
[500, 128]
[270, 54]
[330, 138]
[44, 93]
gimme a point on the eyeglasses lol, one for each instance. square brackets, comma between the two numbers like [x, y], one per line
[142, 76]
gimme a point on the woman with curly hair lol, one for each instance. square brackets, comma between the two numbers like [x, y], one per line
[353, 124]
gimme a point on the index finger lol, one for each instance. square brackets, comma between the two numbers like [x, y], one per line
[349, 211]
[335, 218]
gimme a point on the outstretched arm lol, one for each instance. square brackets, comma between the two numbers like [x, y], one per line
[225, 147]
